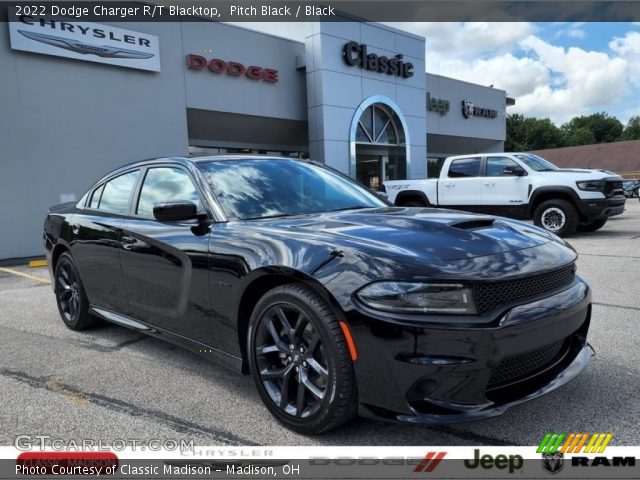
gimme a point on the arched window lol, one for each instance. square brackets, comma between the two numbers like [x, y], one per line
[378, 143]
[380, 125]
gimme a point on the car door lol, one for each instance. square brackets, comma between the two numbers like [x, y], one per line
[165, 264]
[504, 191]
[463, 184]
[96, 241]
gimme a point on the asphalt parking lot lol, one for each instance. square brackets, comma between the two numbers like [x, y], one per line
[112, 383]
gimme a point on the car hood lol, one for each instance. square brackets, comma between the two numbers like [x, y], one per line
[417, 232]
[582, 173]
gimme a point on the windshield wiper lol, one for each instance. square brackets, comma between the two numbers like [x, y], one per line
[352, 207]
[276, 215]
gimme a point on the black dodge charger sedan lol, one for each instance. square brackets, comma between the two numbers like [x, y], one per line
[334, 301]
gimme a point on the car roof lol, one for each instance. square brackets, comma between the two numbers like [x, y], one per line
[184, 160]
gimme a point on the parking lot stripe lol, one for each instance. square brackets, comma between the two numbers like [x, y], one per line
[25, 275]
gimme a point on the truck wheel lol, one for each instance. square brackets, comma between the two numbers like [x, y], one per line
[592, 226]
[558, 216]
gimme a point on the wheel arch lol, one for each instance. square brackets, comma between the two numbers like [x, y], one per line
[543, 194]
[262, 281]
[56, 253]
[408, 195]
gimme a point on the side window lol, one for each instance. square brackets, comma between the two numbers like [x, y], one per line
[465, 167]
[165, 184]
[95, 197]
[496, 165]
[115, 197]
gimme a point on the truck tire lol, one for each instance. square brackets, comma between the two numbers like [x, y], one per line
[556, 215]
[592, 226]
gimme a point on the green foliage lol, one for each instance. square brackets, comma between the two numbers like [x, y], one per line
[632, 130]
[525, 134]
[532, 133]
[604, 128]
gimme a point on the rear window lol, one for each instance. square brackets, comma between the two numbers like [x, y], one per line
[465, 167]
[117, 193]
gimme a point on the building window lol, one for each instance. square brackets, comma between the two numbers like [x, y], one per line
[380, 146]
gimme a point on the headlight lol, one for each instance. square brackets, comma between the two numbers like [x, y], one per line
[591, 186]
[404, 297]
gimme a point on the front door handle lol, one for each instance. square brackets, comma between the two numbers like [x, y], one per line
[128, 242]
[75, 228]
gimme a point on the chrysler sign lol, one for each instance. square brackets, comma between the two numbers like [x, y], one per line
[91, 42]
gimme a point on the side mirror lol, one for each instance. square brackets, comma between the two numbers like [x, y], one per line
[177, 211]
[513, 171]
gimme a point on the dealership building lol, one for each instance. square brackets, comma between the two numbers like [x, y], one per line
[79, 99]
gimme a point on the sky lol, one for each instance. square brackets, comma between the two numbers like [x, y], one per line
[553, 70]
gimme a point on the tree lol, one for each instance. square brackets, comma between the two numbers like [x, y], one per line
[525, 134]
[632, 130]
[578, 136]
[603, 127]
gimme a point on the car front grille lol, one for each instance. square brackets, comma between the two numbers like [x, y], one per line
[523, 365]
[494, 294]
[611, 189]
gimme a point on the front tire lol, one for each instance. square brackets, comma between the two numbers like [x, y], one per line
[71, 298]
[300, 361]
[558, 216]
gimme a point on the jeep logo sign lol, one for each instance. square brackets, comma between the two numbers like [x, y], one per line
[438, 105]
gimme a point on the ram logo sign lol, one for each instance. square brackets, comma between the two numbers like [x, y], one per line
[574, 442]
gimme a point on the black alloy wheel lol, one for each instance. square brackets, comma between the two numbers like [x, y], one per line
[300, 361]
[72, 301]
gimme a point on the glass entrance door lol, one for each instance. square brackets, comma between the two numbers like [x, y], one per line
[370, 170]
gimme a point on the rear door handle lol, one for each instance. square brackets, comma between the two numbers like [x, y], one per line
[75, 228]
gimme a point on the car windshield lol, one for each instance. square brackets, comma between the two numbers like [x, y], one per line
[254, 188]
[536, 163]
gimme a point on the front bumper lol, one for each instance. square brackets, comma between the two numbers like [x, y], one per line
[601, 208]
[442, 373]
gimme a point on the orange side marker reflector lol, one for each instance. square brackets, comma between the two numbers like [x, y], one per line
[349, 338]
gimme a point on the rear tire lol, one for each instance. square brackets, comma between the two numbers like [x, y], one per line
[592, 226]
[300, 361]
[556, 215]
[71, 298]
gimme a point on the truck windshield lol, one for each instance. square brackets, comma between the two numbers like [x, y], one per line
[536, 163]
[250, 189]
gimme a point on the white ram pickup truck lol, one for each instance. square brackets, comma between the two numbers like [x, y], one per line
[519, 185]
